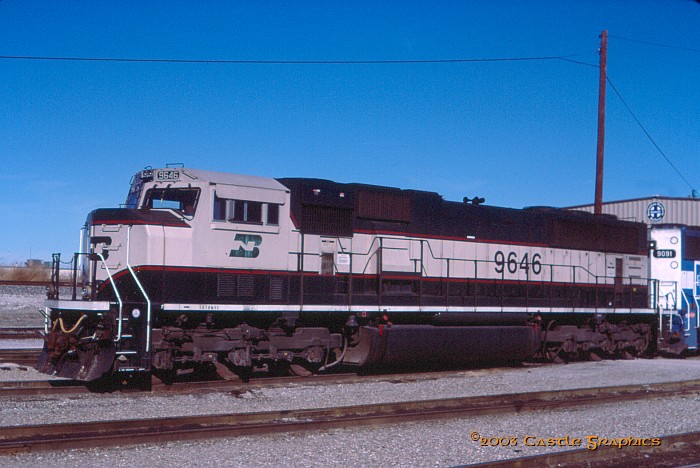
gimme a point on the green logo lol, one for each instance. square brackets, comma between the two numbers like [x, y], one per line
[247, 246]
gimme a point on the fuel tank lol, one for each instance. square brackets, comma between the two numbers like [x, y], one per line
[413, 345]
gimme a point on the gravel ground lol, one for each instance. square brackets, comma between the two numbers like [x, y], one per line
[15, 343]
[443, 443]
[18, 411]
[19, 306]
[426, 444]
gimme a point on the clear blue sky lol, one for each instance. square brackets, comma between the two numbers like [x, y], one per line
[518, 133]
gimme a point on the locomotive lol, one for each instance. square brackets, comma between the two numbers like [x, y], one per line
[241, 272]
[675, 262]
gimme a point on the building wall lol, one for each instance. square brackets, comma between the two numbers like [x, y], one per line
[653, 210]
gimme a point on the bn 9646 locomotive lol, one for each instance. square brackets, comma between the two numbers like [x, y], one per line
[212, 269]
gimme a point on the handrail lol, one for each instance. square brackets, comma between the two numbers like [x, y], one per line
[369, 250]
[78, 261]
[56, 274]
[551, 266]
[686, 301]
[673, 301]
[47, 319]
[372, 253]
[370, 256]
[119, 299]
[575, 271]
[141, 288]
[695, 297]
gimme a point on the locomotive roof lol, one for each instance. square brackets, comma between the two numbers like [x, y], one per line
[302, 184]
[429, 200]
[329, 208]
[233, 179]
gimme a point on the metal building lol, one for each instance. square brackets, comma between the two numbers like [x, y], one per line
[653, 210]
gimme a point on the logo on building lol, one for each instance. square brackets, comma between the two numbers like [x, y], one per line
[656, 211]
[247, 246]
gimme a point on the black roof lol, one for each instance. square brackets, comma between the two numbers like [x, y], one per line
[325, 207]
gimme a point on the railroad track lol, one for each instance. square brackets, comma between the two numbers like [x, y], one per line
[39, 282]
[53, 387]
[21, 439]
[21, 357]
[61, 387]
[46, 282]
[19, 333]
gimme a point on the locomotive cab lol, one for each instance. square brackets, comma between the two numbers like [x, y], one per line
[138, 258]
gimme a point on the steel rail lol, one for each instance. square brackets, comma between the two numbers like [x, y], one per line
[22, 357]
[20, 333]
[60, 387]
[51, 387]
[18, 439]
[37, 282]
[41, 387]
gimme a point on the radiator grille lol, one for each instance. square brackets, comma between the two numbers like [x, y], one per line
[226, 286]
[276, 288]
[246, 286]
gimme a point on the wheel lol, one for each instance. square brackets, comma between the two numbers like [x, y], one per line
[224, 372]
[304, 369]
[166, 376]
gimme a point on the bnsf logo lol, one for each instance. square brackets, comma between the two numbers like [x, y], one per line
[247, 246]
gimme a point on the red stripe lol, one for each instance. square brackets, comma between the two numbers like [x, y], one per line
[135, 222]
[294, 220]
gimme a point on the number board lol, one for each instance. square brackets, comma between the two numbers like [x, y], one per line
[509, 261]
[665, 253]
[167, 175]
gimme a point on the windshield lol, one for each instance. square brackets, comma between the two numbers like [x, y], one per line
[183, 200]
[132, 200]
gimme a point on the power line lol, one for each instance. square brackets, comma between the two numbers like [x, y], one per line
[656, 44]
[286, 62]
[565, 58]
[648, 135]
[579, 62]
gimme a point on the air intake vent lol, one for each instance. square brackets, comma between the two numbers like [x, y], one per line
[246, 286]
[226, 286]
[276, 288]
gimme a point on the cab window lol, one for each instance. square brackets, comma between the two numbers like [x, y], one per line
[183, 200]
[273, 214]
[245, 211]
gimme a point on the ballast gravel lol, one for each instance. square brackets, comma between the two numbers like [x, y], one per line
[426, 444]
[77, 408]
[440, 443]
[20, 305]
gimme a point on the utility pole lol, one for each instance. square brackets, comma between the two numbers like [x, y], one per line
[598, 206]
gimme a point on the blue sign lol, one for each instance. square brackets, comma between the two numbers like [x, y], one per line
[656, 211]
